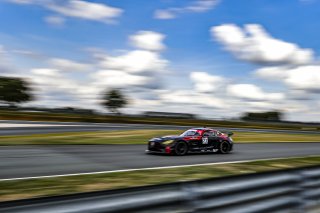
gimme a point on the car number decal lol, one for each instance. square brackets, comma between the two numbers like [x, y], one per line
[205, 140]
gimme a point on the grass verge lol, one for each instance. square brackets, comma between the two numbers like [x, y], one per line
[22, 189]
[64, 117]
[141, 137]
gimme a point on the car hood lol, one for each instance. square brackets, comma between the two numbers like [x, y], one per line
[164, 138]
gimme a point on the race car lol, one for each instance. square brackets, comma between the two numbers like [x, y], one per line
[193, 140]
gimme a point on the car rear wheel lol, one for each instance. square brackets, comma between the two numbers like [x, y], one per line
[181, 148]
[224, 147]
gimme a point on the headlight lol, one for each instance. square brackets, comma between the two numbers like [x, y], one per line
[167, 142]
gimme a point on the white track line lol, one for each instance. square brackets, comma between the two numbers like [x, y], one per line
[150, 168]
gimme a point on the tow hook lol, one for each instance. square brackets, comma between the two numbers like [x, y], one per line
[168, 149]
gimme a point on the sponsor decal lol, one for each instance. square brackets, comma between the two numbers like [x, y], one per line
[205, 140]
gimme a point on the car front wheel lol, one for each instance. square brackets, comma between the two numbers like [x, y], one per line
[181, 148]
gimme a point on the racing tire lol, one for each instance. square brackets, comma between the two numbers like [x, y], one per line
[224, 147]
[181, 148]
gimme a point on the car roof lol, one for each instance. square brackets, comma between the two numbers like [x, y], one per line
[203, 129]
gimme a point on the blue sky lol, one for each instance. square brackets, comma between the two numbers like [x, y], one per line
[215, 58]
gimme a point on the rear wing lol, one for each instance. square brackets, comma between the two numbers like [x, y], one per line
[227, 133]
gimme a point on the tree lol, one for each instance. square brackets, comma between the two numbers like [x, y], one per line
[114, 100]
[262, 116]
[14, 91]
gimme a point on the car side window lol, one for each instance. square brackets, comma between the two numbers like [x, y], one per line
[196, 134]
[206, 134]
[190, 133]
[213, 133]
[209, 133]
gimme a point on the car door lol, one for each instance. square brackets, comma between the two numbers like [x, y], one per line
[213, 139]
[194, 139]
[207, 139]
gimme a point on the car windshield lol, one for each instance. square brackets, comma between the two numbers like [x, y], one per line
[190, 133]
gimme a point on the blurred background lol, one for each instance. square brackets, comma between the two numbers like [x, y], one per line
[214, 59]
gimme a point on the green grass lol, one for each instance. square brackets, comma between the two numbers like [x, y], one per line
[100, 137]
[275, 137]
[141, 137]
[21, 189]
[63, 117]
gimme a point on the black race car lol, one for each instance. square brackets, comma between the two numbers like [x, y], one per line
[192, 140]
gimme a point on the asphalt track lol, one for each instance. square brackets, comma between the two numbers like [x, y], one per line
[30, 161]
[37, 127]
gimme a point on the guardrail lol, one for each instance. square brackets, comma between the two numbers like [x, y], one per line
[294, 190]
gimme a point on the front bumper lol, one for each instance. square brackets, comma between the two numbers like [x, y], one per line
[155, 152]
[155, 147]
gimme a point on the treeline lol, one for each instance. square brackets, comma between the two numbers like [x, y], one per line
[274, 116]
[14, 91]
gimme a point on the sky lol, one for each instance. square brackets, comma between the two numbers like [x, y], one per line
[214, 58]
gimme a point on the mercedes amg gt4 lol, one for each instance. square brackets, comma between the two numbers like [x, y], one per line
[193, 140]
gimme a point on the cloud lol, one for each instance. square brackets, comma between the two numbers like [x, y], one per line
[298, 95]
[119, 79]
[139, 69]
[304, 77]
[58, 89]
[28, 53]
[23, 1]
[293, 106]
[197, 6]
[3, 59]
[254, 44]
[205, 82]
[6, 67]
[164, 14]
[271, 73]
[136, 61]
[136, 68]
[46, 72]
[55, 20]
[252, 92]
[68, 65]
[188, 97]
[148, 40]
[49, 80]
[77, 9]
[86, 10]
